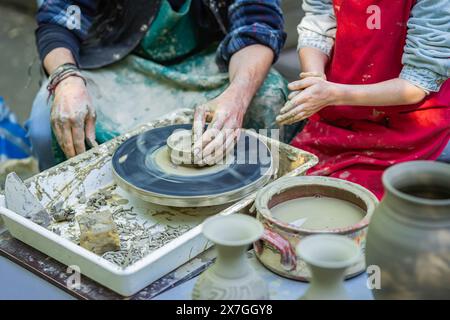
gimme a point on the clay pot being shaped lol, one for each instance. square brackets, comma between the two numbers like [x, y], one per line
[327, 257]
[231, 277]
[179, 146]
[408, 242]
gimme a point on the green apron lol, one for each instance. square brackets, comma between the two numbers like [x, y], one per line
[145, 86]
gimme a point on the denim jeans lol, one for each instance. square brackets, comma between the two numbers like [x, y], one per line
[39, 130]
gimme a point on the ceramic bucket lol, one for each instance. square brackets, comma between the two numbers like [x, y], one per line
[276, 248]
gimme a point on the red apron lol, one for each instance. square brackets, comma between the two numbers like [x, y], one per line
[358, 143]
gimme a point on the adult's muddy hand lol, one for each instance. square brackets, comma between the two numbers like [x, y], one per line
[225, 115]
[73, 117]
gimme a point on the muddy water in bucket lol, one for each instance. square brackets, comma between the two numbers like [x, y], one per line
[318, 213]
[294, 208]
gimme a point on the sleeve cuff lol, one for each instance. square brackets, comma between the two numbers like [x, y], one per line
[51, 36]
[422, 78]
[245, 36]
[311, 39]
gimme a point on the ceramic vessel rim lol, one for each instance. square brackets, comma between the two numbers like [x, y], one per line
[244, 219]
[291, 182]
[344, 241]
[389, 174]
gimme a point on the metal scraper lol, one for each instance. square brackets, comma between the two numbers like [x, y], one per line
[21, 201]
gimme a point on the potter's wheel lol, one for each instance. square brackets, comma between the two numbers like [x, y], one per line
[142, 166]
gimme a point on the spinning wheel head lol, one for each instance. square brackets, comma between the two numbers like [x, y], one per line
[142, 165]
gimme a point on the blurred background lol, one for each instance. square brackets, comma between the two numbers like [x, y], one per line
[19, 82]
[19, 68]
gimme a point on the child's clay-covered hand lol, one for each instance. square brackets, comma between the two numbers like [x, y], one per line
[309, 95]
[304, 75]
[73, 117]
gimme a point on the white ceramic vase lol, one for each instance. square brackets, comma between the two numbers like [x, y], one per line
[231, 277]
[327, 257]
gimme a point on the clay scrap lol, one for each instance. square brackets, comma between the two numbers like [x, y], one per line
[98, 232]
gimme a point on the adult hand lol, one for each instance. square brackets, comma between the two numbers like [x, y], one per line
[310, 95]
[73, 117]
[225, 114]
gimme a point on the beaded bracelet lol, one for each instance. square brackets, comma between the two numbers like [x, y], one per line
[61, 73]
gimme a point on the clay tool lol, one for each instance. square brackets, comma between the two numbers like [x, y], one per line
[20, 200]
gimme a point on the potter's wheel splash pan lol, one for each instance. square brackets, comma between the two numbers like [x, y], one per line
[136, 171]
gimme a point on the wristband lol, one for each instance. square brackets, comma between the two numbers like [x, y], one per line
[61, 73]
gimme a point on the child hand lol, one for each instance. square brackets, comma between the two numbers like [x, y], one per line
[304, 75]
[310, 95]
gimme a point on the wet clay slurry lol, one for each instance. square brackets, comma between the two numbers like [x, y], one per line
[318, 213]
[162, 160]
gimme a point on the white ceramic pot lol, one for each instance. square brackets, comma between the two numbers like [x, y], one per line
[276, 248]
[231, 277]
[327, 257]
